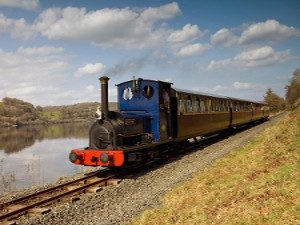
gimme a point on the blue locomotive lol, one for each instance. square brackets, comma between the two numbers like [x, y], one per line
[154, 117]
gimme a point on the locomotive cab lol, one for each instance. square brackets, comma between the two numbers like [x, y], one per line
[145, 105]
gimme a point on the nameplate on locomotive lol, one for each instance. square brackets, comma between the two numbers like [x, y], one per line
[130, 121]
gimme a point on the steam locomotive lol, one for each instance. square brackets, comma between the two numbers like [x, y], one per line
[154, 117]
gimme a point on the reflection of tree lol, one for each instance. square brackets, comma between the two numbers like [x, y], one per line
[16, 139]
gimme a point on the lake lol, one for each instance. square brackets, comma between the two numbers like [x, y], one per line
[39, 155]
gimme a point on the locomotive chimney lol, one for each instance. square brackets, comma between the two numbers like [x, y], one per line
[104, 96]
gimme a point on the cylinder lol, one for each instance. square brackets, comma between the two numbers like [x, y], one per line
[104, 96]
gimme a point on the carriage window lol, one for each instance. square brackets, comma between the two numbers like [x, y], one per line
[189, 106]
[208, 105]
[222, 105]
[237, 106]
[202, 105]
[148, 91]
[181, 106]
[217, 103]
[213, 105]
[233, 106]
[196, 105]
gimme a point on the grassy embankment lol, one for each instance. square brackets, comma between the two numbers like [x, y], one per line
[256, 184]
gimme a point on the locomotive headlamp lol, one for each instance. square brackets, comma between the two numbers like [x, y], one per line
[104, 158]
[73, 157]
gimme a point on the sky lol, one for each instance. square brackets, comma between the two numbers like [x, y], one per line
[53, 52]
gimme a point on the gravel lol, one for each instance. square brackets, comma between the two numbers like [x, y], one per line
[119, 204]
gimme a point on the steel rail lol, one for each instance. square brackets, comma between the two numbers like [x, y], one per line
[51, 189]
[54, 198]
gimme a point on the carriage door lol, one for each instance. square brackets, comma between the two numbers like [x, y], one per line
[164, 110]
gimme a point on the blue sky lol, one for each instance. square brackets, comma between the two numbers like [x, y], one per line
[52, 52]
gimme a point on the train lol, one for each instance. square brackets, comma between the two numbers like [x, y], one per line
[153, 118]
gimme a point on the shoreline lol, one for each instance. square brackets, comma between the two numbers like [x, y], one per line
[50, 122]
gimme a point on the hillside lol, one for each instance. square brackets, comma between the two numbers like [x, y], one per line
[15, 112]
[79, 111]
[255, 184]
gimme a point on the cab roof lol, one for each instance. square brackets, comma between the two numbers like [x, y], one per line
[141, 79]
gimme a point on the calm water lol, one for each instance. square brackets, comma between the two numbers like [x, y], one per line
[38, 155]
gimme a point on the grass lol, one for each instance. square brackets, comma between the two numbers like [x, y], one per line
[256, 184]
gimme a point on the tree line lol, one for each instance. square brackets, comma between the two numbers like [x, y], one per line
[15, 112]
[292, 95]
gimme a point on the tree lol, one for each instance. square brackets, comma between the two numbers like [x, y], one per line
[275, 102]
[293, 89]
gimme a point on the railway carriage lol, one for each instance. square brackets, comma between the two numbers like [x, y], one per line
[154, 117]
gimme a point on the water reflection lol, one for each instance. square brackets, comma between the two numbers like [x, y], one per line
[16, 139]
[38, 155]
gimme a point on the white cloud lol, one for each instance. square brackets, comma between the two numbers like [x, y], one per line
[18, 28]
[40, 51]
[262, 56]
[28, 63]
[24, 4]
[163, 12]
[270, 30]
[192, 49]
[108, 27]
[189, 32]
[89, 69]
[111, 27]
[243, 86]
[214, 89]
[239, 89]
[29, 89]
[128, 66]
[217, 88]
[224, 37]
[214, 65]
[40, 75]
[90, 88]
[124, 28]
[32, 74]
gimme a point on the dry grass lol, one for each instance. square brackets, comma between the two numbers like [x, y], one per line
[257, 184]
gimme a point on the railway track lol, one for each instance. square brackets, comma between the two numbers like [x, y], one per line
[37, 203]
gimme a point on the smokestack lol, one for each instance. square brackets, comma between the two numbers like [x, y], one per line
[104, 96]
